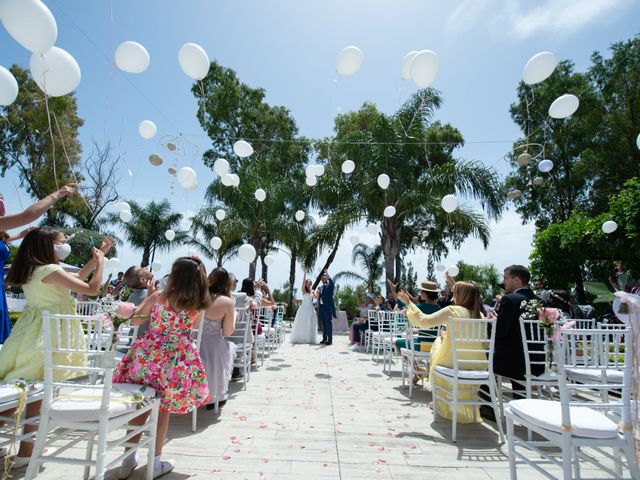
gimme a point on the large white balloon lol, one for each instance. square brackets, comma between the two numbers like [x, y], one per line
[221, 166]
[170, 235]
[424, 68]
[147, 129]
[372, 229]
[124, 206]
[310, 171]
[221, 214]
[8, 87]
[312, 181]
[247, 253]
[539, 68]
[383, 181]
[125, 216]
[56, 72]
[609, 226]
[348, 166]
[354, 239]
[545, 166]
[449, 203]
[193, 60]
[113, 262]
[156, 266]
[268, 260]
[132, 57]
[216, 243]
[299, 215]
[389, 211]
[564, 106]
[242, 149]
[260, 195]
[187, 176]
[405, 71]
[30, 23]
[319, 170]
[349, 60]
[192, 187]
[227, 179]
[453, 270]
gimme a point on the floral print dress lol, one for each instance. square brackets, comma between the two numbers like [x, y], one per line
[166, 359]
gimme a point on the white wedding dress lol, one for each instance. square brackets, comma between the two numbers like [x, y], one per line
[305, 325]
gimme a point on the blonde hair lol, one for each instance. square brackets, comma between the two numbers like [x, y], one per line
[467, 295]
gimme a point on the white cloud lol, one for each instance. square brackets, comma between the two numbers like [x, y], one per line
[465, 14]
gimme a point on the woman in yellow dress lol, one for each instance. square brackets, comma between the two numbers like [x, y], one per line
[466, 304]
[46, 288]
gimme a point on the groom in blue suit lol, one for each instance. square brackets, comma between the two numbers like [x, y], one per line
[326, 308]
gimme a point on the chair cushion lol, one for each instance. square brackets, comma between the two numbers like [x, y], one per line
[547, 414]
[83, 404]
[594, 375]
[9, 393]
[464, 374]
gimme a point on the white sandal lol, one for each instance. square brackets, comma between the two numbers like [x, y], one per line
[166, 466]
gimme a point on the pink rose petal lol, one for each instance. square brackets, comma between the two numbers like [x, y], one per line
[226, 457]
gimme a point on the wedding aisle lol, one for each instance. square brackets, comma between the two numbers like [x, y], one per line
[324, 412]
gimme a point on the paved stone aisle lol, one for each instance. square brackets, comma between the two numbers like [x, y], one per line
[323, 412]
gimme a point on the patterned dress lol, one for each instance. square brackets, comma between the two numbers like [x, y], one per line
[166, 359]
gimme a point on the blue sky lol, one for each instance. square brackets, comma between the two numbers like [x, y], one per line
[290, 49]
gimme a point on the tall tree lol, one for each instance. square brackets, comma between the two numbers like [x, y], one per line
[39, 139]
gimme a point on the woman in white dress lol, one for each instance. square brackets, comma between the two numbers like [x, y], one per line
[305, 324]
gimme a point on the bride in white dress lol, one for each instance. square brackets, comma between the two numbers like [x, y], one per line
[305, 325]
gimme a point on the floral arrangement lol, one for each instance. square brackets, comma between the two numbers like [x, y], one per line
[115, 314]
[548, 317]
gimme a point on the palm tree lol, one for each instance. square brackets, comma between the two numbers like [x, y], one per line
[146, 229]
[369, 259]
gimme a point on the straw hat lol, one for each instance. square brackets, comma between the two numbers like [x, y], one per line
[429, 286]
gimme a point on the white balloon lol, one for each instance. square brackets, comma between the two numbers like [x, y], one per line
[514, 194]
[242, 149]
[453, 270]
[236, 179]
[372, 229]
[545, 166]
[299, 215]
[113, 262]
[192, 187]
[124, 206]
[312, 181]
[609, 226]
[132, 57]
[440, 267]
[193, 60]
[348, 166]
[147, 129]
[539, 68]
[227, 179]
[187, 176]
[268, 260]
[524, 159]
[405, 71]
[538, 181]
[156, 265]
[170, 235]
[564, 106]
[449, 203]
[638, 141]
[310, 170]
[155, 160]
[125, 216]
[425, 233]
[383, 181]
[8, 87]
[260, 195]
[424, 68]
[389, 211]
[56, 72]
[319, 170]
[30, 23]
[216, 243]
[221, 166]
[349, 60]
[247, 253]
[354, 239]
[221, 214]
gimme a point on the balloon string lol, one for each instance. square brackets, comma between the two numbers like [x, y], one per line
[53, 143]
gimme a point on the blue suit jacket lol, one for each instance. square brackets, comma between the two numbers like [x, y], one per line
[326, 304]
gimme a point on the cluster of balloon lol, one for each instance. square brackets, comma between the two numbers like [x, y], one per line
[300, 215]
[156, 266]
[349, 61]
[193, 60]
[313, 172]
[188, 178]
[125, 212]
[170, 235]
[220, 214]
[389, 211]
[421, 67]
[609, 226]
[113, 262]
[132, 57]
[242, 149]
[372, 229]
[268, 260]
[247, 253]
[449, 203]
[354, 239]
[348, 166]
[216, 243]
[383, 181]
[260, 195]
[147, 129]
[453, 270]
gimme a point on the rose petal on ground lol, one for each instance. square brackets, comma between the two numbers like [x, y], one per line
[226, 457]
[381, 449]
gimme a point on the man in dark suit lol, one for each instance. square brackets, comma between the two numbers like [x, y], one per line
[326, 307]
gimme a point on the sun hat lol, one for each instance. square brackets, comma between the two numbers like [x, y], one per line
[429, 286]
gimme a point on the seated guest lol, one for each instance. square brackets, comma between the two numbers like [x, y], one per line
[216, 352]
[427, 304]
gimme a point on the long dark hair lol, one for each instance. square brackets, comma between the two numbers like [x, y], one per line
[248, 288]
[220, 282]
[187, 285]
[35, 250]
